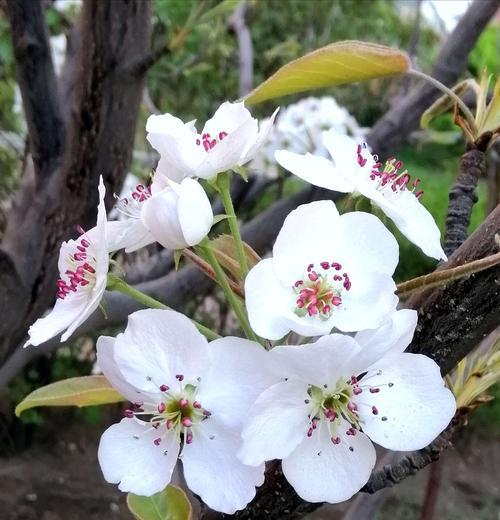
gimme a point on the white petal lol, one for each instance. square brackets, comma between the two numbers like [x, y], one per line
[176, 143]
[195, 212]
[321, 471]
[156, 346]
[343, 151]
[266, 301]
[417, 406]
[415, 222]
[309, 235]
[277, 423]
[227, 153]
[319, 363]
[265, 129]
[369, 302]
[227, 118]
[367, 244]
[240, 370]
[213, 471]
[60, 318]
[137, 464]
[307, 325]
[108, 366]
[160, 216]
[129, 234]
[315, 170]
[394, 335]
[166, 170]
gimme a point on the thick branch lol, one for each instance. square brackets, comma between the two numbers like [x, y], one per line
[392, 129]
[38, 84]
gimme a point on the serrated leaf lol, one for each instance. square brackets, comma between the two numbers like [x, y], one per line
[169, 504]
[76, 391]
[225, 252]
[335, 64]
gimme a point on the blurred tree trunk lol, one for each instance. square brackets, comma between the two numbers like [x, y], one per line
[78, 130]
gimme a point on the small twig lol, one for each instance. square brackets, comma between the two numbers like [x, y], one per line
[444, 276]
[142, 65]
[432, 491]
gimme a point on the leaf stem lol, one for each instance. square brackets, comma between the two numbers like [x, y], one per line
[448, 91]
[223, 183]
[120, 285]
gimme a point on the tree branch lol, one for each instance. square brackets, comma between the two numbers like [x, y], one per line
[38, 84]
[245, 48]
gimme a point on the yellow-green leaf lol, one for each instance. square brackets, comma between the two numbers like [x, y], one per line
[225, 252]
[169, 504]
[335, 64]
[77, 391]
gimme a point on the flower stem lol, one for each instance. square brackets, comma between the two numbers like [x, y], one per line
[463, 107]
[223, 183]
[120, 285]
[228, 293]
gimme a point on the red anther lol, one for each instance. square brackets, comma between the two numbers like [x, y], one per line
[336, 300]
[163, 388]
[374, 390]
[419, 194]
[314, 424]
[186, 422]
[347, 284]
[89, 268]
[313, 276]
[170, 424]
[183, 403]
[325, 265]
[198, 142]
[135, 195]
[206, 413]
[156, 425]
[336, 266]
[197, 405]
[354, 380]
[312, 310]
[300, 303]
[81, 248]
[298, 283]
[85, 243]
[189, 438]
[337, 278]
[79, 256]
[309, 432]
[128, 414]
[359, 149]
[222, 135]
[140, 187]
[161, 407]
[415, 183]
[206, 145]
[309, 267]
[326, 309]
[351, 406]
[157, 441]
[356, 390]
[374, 410]
[83, 283]
[179, 377]
[336, 440]
[80, 229]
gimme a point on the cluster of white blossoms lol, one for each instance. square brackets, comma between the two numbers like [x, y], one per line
[299, 128]
[225, 407]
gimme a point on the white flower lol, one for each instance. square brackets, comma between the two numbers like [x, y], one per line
[175, 215]
[231, 138]
[354, 169]
[326, 271]
[337, 396]
[83, 272]
[191, 398]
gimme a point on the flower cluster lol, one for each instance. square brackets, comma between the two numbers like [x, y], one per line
[318, 399]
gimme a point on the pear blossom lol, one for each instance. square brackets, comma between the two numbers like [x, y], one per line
[337, 396]
[326, 271]
[190, 398]
[355, 170]
[175, 215]
[83, 271]
[228, 140]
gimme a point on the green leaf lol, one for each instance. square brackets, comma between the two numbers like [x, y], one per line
[220, 218]
[335, 64]
[77, 391]
[169, 504]
[221, 9]
[177, 258]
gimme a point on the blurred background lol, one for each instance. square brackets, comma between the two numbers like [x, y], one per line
[48, 466]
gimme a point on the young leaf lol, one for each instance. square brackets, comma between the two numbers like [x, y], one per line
[225, 252]
[169, 504]
[335, 64]
[77, 391]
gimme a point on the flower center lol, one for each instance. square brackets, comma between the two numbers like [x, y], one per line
[178, 410]
[320, 291]
[131, 207]
[393, 178]
[335, 407]
[81, 267]
[209, 142]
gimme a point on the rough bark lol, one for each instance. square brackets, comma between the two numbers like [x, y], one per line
[463, 196]
[99, 141]
[392, 129]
